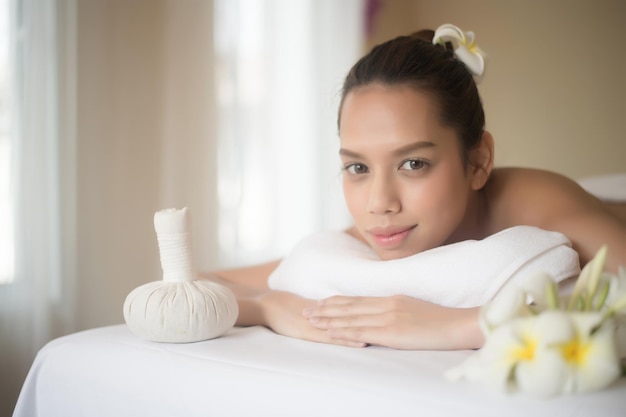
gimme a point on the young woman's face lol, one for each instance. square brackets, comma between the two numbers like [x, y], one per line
[403, 175]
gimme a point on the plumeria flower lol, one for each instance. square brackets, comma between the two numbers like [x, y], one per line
[620, 335]
[590, 353]
[520, 351]
[616, 301]
[616, 298]
[465, 47]
[545, 355]
[587, 283]
[598, 291]
[515, 300]
[566, 353]
[539, 343]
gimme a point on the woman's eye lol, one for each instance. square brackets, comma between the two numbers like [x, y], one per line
[413, 164]
[356, 169]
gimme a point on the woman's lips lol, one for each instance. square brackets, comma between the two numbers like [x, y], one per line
[390, 237]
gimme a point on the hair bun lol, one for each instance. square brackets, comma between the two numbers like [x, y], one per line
[424, 34]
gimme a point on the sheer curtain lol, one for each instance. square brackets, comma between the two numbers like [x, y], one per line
[35, 295]
[280, 67]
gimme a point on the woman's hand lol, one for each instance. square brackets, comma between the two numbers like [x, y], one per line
[278, 310]
[399, 322]
[282, 312]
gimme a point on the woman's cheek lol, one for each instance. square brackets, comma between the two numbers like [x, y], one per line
[357, 201]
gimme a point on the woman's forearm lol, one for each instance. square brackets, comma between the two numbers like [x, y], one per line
[248, 300]
[468, 334]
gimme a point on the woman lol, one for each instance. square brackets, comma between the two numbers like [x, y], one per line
[417, 174]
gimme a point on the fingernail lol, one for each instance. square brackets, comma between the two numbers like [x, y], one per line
[307, 312]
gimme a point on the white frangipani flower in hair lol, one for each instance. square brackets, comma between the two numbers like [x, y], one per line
[465, 47]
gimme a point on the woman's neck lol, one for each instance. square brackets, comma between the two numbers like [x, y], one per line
[474, 225]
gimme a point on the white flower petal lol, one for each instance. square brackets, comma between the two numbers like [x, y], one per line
[508, 303]
[616, 298]
[586, 322]
[587, 282]
[448, 33]
[535, 289]
[470, 369]
[472, 60]
[601, 362]
[484, 369]
[492, 364]
[554, 326]
[544, 376]
[620, 335]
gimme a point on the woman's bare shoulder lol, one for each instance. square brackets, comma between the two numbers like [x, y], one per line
[552, 201]
[533, 179]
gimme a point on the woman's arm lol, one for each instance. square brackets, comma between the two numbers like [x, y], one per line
[553, 202]
[588, 223]
[278, 310]
[248, 284]
[591, 229]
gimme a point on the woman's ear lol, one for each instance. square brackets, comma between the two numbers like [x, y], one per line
[481, 161]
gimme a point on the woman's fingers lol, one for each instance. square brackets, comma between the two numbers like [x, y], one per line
[364, 335]
[340, 306]
[356, 319]
[362, 320]
[282, 314]
[323, 336]
[399, 322]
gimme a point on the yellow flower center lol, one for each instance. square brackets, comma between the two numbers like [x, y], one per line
[525, 351]
[575, 352]
[471, 47]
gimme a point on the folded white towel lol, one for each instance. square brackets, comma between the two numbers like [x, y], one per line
[463, 274]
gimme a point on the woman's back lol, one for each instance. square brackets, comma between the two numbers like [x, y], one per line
[517, 196]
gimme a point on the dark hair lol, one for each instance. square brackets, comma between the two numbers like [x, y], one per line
[414, 61]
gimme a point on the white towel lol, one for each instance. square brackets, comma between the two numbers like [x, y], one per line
[463, 274]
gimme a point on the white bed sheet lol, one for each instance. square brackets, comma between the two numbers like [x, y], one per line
[108, 372]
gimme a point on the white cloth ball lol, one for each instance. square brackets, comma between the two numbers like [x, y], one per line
[180, 312]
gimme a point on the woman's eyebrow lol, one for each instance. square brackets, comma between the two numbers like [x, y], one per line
[411, 147]
[349, 153]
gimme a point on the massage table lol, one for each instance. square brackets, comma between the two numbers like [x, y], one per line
[109, 372]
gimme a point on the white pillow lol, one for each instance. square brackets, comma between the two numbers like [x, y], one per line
[463, 274]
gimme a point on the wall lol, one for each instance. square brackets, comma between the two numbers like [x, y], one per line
[144, 134]
[554, 86]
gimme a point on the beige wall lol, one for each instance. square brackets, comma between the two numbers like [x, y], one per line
[554, 89]
[144, 134]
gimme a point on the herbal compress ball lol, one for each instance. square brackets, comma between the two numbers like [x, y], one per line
[180, 308]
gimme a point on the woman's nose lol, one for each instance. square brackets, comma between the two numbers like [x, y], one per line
[383, 196]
